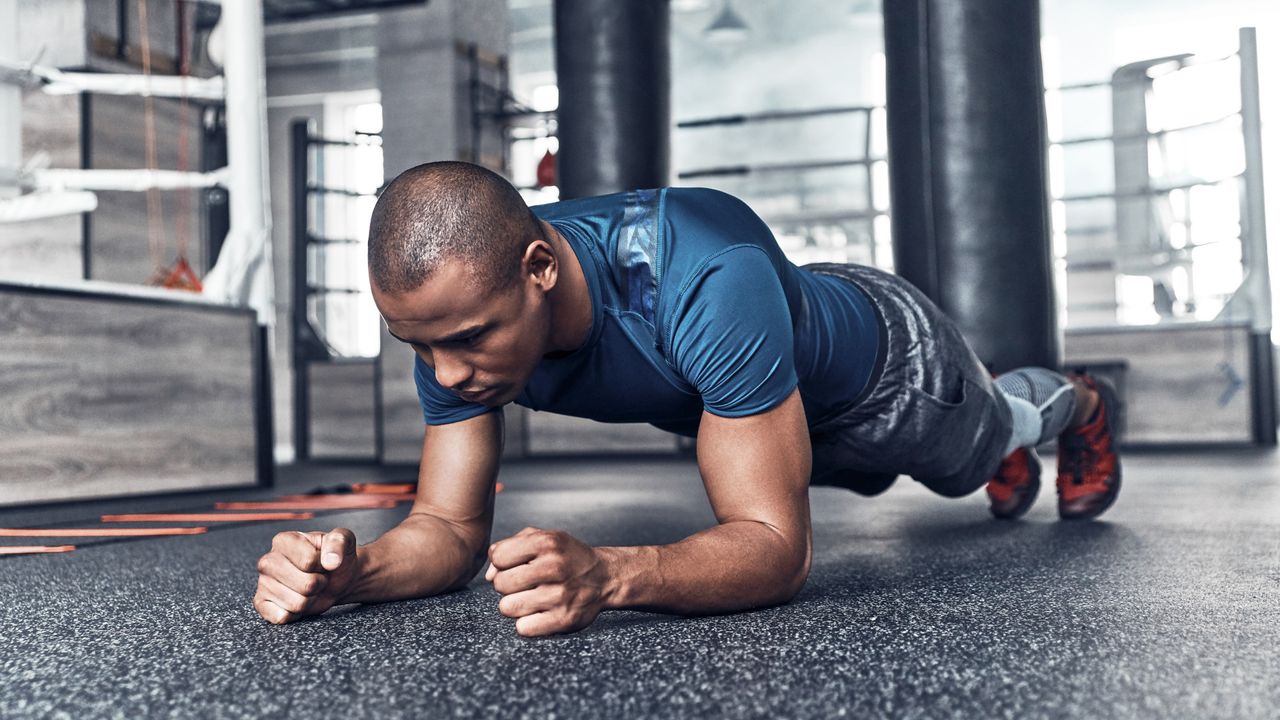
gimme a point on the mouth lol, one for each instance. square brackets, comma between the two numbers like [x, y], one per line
[479, 396]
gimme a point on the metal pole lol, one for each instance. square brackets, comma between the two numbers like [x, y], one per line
[243, 272]
[1255, 236]
[246, 116]
[1257, 282]
[10, 97]
[300, 136]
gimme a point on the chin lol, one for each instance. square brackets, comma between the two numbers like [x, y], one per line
[502, 398]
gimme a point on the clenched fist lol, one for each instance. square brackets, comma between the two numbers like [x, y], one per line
[552, 582]
[304, 574]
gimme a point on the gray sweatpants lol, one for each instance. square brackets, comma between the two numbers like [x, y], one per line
[932, 414]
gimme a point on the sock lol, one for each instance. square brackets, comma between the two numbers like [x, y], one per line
[1027, 424]
[1042, 403]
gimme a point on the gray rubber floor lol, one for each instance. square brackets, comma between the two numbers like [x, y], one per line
[917, 606]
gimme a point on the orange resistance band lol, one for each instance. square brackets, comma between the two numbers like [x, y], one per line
[35, 549]
[347, 500]
[207, 517]
[305, 505]
[384, 488]
[99, 532]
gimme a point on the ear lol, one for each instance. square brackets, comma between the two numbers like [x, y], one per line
[540, 264]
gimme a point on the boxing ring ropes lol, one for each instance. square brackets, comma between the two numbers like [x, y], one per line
[242, 274]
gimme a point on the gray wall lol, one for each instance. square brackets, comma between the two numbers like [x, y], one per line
[308, 61]
[426, 115]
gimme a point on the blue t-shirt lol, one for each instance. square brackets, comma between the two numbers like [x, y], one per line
[693, 307]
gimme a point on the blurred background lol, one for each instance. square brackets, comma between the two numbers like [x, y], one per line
[124, 373]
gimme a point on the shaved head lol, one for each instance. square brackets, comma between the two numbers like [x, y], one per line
[444, 211]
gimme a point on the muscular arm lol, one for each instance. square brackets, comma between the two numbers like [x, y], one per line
[441, 545]
[756, 472]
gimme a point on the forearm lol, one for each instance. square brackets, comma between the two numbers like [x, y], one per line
[734, 566]
[419, 557]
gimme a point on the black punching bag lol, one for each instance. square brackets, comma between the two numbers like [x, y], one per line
[967, 166]
[613, 71]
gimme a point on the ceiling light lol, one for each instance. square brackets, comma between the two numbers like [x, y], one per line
[690, 5]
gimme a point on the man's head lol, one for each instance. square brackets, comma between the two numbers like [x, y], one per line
[445, 211]
[461, 270]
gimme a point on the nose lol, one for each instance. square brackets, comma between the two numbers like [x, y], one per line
[450, 372]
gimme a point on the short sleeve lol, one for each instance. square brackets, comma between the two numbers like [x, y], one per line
[440, 406]
[732, 334]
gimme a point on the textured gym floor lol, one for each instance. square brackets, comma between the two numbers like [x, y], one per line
[917, 606]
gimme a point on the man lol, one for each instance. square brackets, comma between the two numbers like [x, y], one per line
[676, 308]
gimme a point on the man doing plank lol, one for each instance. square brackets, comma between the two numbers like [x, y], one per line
[674, 307]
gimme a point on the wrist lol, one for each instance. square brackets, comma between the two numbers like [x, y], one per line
[623, 569]
[355, 588]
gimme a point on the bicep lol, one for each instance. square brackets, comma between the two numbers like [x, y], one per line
[756, 468]
[456, 480]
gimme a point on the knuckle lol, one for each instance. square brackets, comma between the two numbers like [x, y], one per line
[263, 564]
[558, 566]
[264, 608]
[311, 585]
[509, 607]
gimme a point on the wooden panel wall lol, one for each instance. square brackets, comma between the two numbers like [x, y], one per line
[1176, 384]
[106, 397]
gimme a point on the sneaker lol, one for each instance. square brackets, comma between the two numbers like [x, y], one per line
[1088, 467]
[1017, 482]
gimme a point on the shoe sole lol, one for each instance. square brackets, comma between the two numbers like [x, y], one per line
[1029, 499]
[1111, 402]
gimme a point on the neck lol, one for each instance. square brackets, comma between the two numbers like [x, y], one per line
[570, 299]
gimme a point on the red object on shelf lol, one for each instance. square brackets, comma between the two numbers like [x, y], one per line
[182, 277]
[547, 170]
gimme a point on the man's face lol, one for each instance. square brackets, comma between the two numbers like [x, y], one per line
[483, 344]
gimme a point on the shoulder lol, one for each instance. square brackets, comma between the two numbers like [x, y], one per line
[701, 201]
[580, 207]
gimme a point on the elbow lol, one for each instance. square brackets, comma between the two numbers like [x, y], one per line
[795, 578]
[792, 573]
[479, 559]
[472, 568]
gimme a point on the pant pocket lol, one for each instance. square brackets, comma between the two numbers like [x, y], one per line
[942, 427]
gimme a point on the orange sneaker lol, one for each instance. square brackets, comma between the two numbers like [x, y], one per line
[1016, 484]
[1088, 467]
